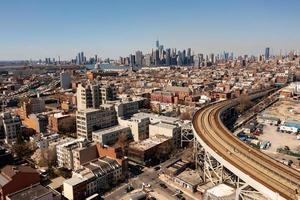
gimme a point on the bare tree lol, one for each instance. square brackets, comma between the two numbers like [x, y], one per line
[244, 103]
[47, 158]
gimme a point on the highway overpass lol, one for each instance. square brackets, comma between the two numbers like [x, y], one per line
[224, 158]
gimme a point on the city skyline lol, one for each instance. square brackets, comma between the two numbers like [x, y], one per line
[35, 30]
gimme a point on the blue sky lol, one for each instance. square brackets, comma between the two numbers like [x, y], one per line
[111, 28]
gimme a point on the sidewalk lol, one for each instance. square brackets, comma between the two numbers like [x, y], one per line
[195, 196]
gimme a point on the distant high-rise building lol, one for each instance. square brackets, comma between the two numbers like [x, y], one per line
[78, 59]
[267, 53]
[65, 80]
[212, 58]
[157, 44]
[132, 60]
[138, 58]
[156, 57]
[189, 56]
[161, 52]
[180, 58]
[148, 59]
[184, 57]
[82, 58]
[168, 57]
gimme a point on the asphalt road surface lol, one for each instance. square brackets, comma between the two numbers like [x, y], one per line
[149, 176]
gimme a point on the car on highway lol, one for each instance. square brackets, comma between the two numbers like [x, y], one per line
[163, 185]
[129, 188]
[179, 196]
[146, 185]
[178, 191]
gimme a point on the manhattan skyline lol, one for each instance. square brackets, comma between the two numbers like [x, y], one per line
[34, 29]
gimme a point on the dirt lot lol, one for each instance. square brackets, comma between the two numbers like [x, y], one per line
[285, 110]
[279, 139]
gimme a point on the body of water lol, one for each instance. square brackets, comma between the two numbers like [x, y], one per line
[108, 67]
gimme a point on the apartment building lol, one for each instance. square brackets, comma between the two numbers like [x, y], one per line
[38, 122]
[150, 150]
[33, 105]
[11, 126]
[88, 96]
[65, 80]
[108, 93]
[72, 154]
[92, 95]
[110, 135]
[90, 120]
[127, 108]
[169, 130]
[139, 126]
[94, 176]
[59, 122]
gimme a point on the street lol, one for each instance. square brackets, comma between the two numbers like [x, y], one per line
[149, 176]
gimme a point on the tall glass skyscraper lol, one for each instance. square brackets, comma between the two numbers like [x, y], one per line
[267, 53]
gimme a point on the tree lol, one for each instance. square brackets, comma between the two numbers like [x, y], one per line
[122, 140]
[47, 158]
[22, 149]
[244, 103]
[69, 126]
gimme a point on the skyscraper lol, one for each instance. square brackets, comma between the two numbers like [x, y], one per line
[139, 58]
[156, 57]
[78, 59]
[132, 60]
[148, 59]
[189, 56]
[82, 58]
[212, 58]
[157, 44]
[267, 53]
[168, 57]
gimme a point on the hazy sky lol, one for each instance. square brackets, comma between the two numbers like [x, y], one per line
[112, 28]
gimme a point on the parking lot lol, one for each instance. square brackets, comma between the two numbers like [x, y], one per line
[285, 110]
[278, 139]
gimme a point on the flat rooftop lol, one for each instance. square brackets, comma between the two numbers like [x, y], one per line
[56, 182]
[32, 192]
[156, 118]
[110, 129]
[149, 143]
[191, 177]
[221, 190]
[165, 125]
[88, 110]
[74, 180]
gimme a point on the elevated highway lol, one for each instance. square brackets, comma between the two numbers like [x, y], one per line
[255, 169]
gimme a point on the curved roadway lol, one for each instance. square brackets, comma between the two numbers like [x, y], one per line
[260, 168]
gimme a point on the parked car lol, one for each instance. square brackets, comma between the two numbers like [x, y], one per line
[178, 191]
[129, 188]
[179, 196]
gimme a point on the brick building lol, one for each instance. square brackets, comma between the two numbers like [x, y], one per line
[15, 178]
